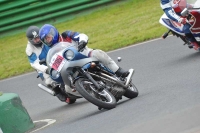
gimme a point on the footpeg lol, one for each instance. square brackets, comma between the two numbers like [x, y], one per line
[166, 34]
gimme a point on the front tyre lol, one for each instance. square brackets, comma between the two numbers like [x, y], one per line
[103, 99]
[131, 91]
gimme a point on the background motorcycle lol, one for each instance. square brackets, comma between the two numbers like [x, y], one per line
[193, 17]
[93, 81]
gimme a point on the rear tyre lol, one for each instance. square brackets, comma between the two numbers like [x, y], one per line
[131, 92]
[103, 99]
[70, 100]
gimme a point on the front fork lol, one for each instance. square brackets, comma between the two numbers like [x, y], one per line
[91, 79]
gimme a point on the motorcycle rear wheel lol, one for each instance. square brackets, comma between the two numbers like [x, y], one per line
[103, 99]
[71, 101]
[131, 91]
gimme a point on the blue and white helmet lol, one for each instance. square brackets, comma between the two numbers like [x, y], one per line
[49, 30]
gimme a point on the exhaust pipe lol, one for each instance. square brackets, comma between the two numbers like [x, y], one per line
[131, 71]
[46, 89]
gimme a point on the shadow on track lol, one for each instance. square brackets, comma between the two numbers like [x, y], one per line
[190, 58]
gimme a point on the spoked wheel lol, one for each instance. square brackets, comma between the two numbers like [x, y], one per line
[131, 91]
[102, 99]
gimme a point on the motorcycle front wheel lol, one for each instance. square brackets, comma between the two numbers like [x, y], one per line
[103, 99]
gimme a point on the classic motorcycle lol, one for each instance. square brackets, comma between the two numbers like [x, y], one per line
[193, 16]
[87, 76]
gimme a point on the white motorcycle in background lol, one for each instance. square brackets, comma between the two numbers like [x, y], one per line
[193, 16]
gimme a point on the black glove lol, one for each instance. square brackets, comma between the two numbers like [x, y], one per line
[81, 46]
[42, 62]
[47, 71]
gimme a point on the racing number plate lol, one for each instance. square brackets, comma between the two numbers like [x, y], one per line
[57, 63]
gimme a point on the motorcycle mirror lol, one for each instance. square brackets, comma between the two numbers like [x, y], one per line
[184, 12]
[119, 59]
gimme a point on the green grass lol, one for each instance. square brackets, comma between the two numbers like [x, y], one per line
[110, 28]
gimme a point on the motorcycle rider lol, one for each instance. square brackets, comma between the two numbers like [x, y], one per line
[49, 35]
[172, 9]
[36, 51]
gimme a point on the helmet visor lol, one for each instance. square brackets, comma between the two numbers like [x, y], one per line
[36, 40]
[48, 38]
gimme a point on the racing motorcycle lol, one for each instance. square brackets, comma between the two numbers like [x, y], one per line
[87, 77]
[193, 16]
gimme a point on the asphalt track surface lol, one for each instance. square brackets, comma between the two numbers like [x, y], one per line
[168, 79]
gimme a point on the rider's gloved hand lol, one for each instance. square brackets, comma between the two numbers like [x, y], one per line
[47, 71]
[83, 40]
[182, 20]
[81, 45]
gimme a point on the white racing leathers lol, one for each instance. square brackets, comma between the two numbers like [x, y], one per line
[166, 5]
[35, 54]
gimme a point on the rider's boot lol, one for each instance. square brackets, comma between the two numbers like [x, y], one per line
[59, 90]
[190, 45]
[193, 41]
[61, 97]
[122, 73]
[196, 46]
